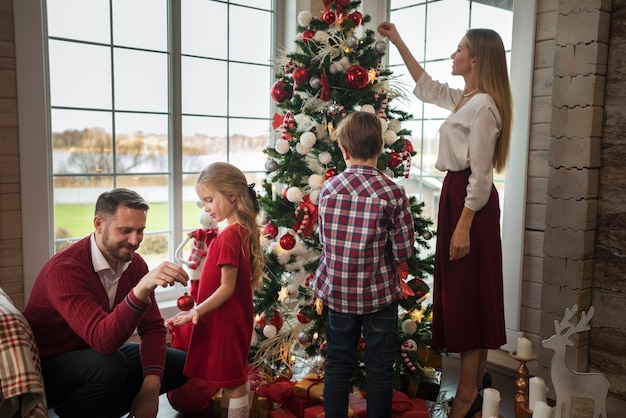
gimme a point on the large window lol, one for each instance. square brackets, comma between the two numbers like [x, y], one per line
[432, 33]
[144, 94]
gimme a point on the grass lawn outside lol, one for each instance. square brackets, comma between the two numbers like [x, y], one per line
[77, 220]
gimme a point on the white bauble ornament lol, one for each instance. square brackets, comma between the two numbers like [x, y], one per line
[281, 146]
[294, 194]
[352, 41]
[301, 149]
[383, 124]
[409, 326]
[390, 137]
[315, 82]
[368, 108]
[321, 36]
[345, 64]
[304, 18]
[314, 196]
[394, 125]
[269, 331]
[316, 181]
[325, 157]
[308, 139]
[380, 46]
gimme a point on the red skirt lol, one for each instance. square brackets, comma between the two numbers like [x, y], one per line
[468, 301]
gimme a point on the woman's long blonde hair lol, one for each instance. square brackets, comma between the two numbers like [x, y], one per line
[228, 180]
[492, 78]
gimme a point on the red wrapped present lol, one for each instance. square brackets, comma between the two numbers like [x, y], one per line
[278, 391]
[315, 411]
[358, 405]
[281, 413]
[420, 410]
[311, 387]
[297, 405]
[400, 402]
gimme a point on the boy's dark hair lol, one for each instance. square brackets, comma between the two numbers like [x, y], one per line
[108, 202]
[361, 134]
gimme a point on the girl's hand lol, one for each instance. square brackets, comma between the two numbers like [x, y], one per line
[182, 318]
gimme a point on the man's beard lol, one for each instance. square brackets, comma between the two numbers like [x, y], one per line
[115, 250]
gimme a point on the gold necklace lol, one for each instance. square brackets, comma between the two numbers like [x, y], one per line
[470, 93]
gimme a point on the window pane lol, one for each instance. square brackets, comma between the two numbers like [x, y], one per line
[80, 75]
[252, 45]
[247, 141]
[263, 4]
[496, 18]
[204, 87]
[140, 23]
[79, 19]
[204, 142]
[81, 144]
[141, 81]
[445, 29]
[141, 143]
[74, 209]
[249, 88]
[410, 24]
[203, 28]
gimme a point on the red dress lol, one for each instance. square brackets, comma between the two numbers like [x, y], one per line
[468, 309]
[220, 343]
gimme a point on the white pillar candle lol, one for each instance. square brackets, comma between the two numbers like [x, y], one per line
[542, 410]
[524, 348]
[536, 391]
[491, 400]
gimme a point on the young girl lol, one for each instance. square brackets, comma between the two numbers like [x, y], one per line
[224, 318]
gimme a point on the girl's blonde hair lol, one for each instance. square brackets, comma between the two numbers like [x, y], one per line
[492, 78]
[228, 181]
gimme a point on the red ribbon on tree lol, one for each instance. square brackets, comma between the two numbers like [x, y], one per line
[325, 93]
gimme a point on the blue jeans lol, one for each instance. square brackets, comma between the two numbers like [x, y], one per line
[380, 333]
[86, 383]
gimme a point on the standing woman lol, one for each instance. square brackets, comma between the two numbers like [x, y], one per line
[468, 303]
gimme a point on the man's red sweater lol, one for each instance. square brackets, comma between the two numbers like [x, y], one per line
[68, 309]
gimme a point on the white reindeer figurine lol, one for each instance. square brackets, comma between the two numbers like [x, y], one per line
[568, 383]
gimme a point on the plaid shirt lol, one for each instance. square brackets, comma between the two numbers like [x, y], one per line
[21, 383]
[366, 230]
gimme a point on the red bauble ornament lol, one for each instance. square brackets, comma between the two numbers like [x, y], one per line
[329, 17]
[300, 75]
[287, 241]
[395, 159]
[331, 172]
[357, 77]
[185, 302]
[276, 320]
[281, 91]
[356, 18]
[302, 318]
[306, 35]
[408, 145]
[270, 231]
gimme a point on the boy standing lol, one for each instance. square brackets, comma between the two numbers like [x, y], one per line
[366, 230]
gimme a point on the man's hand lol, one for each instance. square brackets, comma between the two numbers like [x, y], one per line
[146, 403]
[164, 275]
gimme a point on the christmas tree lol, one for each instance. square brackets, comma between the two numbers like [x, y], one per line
[336, 68]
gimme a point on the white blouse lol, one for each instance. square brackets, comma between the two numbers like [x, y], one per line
[467, 138]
